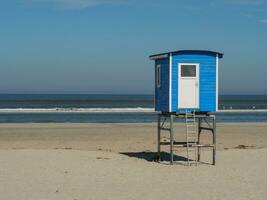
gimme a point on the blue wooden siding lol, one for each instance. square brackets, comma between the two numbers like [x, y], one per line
[207, 78]
[162, 93]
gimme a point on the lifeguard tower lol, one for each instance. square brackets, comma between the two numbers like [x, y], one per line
[186, 86]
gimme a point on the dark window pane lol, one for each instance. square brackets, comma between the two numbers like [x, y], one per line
[158, 76]
[188, 71]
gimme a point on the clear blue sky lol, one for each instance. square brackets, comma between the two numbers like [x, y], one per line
[102, 46]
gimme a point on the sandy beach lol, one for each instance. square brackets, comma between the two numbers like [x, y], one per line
[112, 161]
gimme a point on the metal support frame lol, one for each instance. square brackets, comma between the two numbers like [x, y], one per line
[159, 138]
[214, 141]
[171, 138]
[200, 119]
[198, 138]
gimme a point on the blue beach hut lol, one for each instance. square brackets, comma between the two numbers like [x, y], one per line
[186, 80]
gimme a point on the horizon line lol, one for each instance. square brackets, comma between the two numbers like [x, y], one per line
[117, 94]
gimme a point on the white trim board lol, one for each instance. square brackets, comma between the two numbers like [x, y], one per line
[217, 82]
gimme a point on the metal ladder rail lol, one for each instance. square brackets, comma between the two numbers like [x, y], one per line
[191, 135]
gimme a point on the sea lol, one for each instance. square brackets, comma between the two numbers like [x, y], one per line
[89, 108]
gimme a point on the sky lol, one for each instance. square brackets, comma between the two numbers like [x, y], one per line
[102, 46]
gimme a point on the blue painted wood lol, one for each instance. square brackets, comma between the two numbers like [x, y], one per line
[162, 93]
[207, 79]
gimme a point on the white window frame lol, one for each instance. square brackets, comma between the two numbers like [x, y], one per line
[158, 75]
[188, 64]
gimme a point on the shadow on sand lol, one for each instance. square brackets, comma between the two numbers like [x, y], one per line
[152, 156]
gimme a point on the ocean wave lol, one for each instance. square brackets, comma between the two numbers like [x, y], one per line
[243, 111]
[77, 110]
[108, 110]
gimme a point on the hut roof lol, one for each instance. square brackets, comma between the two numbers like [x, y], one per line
[166, 54]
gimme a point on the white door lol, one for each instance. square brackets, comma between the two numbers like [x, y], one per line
[188, 82]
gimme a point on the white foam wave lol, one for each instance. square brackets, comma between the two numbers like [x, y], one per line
[108, 110]
[243, 111]
[77, 110]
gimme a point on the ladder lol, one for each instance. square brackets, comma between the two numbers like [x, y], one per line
[191, 137]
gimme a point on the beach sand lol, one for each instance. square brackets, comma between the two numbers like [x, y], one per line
[111, 161]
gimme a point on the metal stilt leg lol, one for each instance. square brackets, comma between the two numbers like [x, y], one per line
[171, 138]
[214, 140]
[158, 138]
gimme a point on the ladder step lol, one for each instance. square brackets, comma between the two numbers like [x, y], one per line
[191, 128]
[194, 139]
[191, 145]
[190, 163]
[190, 114]
[191, 141]
[191, 125]
[190, 120]
[191, 150]
[190, 132]
[191, 138]
[165, 129]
